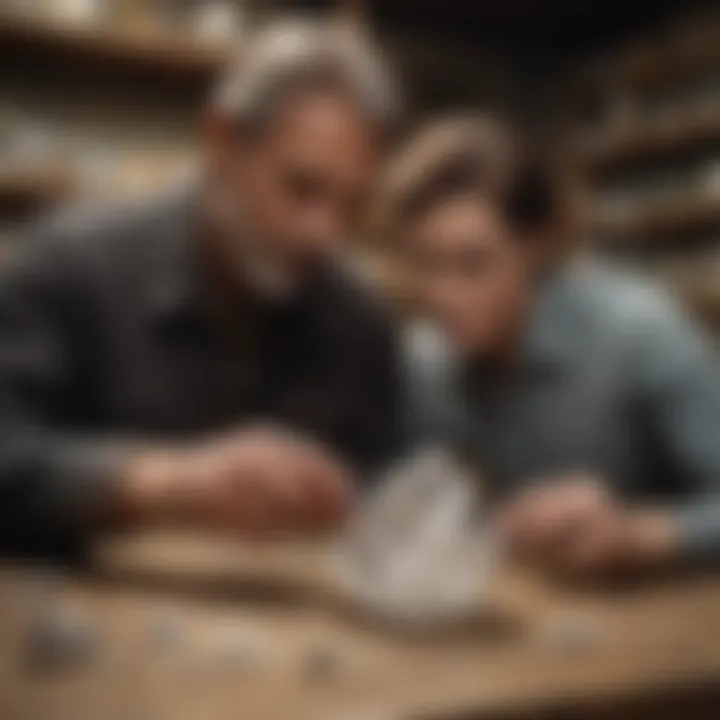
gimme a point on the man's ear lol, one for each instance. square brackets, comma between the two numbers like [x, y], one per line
[221, 141]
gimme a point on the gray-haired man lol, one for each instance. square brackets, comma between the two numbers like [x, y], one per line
[202, 360]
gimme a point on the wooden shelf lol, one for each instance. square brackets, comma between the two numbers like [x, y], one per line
[665, 64]
[695, 282]
[24, 192]
[673, 218]
[703, 301]
[640, 143]
[673, 52]
[166, 54]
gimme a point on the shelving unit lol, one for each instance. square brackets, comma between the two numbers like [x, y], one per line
[658, 222]
[652, 154]
[31, 190]
[700, 292]
[91, 104]
[705, 303]
[156, 51]
[638, 143]
[672, 57]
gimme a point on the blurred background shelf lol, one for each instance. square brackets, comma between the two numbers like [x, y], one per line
[678, 216]
[673, 57]
[705, 303]
[646, 118]
[98, 44]
[30, 191]
[639, 143]
[102, 97]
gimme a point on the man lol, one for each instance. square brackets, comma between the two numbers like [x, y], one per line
[204, 360]
[588, 398]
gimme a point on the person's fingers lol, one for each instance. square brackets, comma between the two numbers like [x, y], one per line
[294, 488]
[550, 515]
[328, 488]
[594, 551]
[564, 517]
[239, 487]
[600, 547]
[231, 498]
[292, 500]
[266, 482]
[526, 522]
[204, 492]
[280, 495]
[545, 520]
[512, 520]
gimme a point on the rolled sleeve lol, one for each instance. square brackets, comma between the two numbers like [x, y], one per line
[680, 380]
[58, 488]
[698, 525]
[82, 474]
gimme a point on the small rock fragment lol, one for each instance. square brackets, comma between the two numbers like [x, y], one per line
[60, 639]
[237, 652]
[166, 632]
[321, 663]
[572, 635]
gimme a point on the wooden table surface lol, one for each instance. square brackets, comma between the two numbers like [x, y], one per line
[544, 649]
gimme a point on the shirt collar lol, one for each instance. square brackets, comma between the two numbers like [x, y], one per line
[178, 289]
[175, 275]
[552, 335]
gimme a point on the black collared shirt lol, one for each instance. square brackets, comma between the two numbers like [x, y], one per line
[107, 339]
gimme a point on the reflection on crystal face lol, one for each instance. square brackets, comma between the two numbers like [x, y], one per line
[418, 550]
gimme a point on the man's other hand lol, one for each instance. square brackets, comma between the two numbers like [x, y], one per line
[260, 482]
[575, 524]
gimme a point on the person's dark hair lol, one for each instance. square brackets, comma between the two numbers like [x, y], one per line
[473, 156]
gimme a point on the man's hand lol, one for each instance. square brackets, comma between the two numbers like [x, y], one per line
[259, 482]
[575, 524]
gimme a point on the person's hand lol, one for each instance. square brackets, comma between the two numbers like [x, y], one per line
[575, 524]
[259, 482]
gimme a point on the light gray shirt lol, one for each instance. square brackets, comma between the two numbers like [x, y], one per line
[615, 379]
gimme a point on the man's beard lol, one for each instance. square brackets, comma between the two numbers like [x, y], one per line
[264, 275]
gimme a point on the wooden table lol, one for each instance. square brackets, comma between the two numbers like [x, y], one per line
[650, 651]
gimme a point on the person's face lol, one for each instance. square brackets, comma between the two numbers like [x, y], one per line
[292, 189]
[472, 275]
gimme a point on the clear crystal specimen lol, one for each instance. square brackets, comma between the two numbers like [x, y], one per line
[417, 551]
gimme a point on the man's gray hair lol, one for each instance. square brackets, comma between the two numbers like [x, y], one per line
[285, 57]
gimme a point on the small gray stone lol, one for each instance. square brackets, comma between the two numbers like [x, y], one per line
[233, 652]
[573, 635]
[40, 588]
[60, 639]
[166, 632]
[321, 663]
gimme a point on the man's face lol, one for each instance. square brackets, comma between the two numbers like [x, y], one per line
[292, 189]
[472, 275]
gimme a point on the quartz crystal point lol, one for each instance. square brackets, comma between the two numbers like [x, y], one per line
[417, 551]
